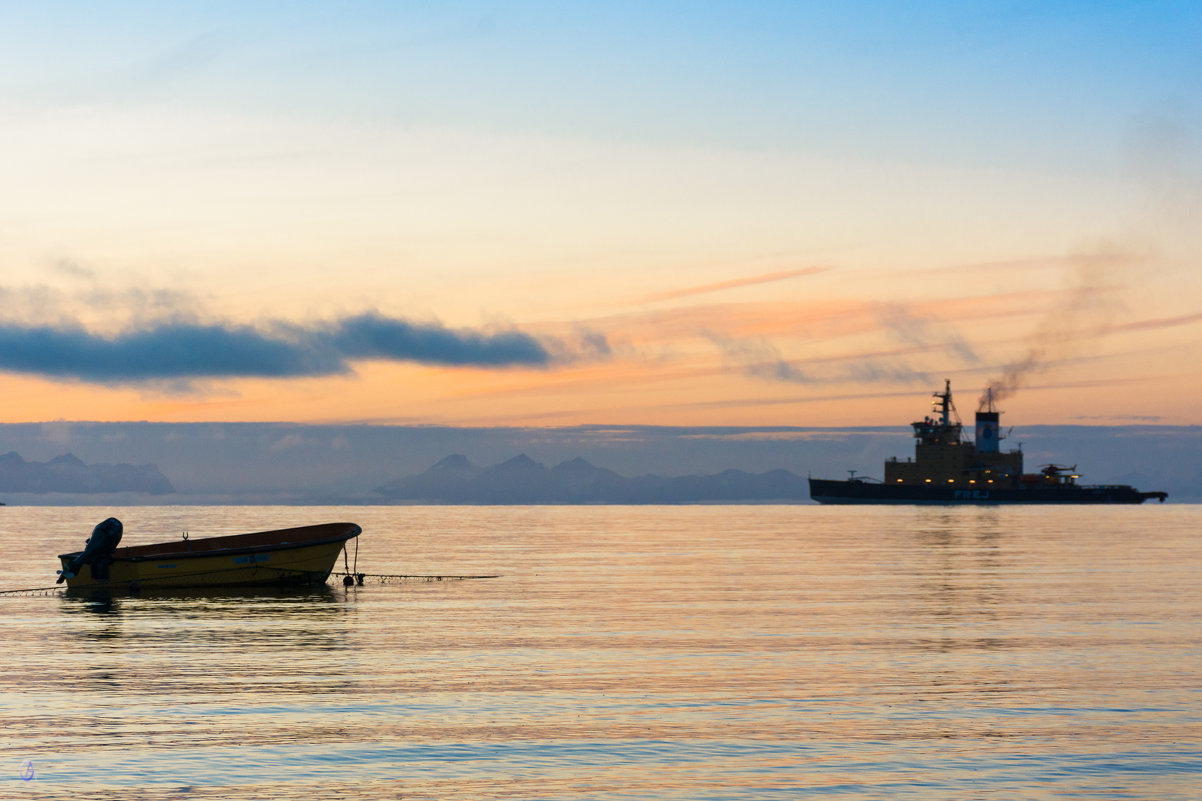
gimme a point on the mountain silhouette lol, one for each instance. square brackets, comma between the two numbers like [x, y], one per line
[521, 480]
[68, 473]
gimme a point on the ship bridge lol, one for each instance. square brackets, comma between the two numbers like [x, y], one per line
[945, 427]
[942, 456]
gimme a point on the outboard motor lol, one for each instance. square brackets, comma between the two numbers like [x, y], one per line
[99, 548]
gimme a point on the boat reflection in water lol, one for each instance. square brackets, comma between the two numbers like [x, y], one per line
[949, 469]
[304, 555]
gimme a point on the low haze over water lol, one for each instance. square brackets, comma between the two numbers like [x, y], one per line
[625, 653]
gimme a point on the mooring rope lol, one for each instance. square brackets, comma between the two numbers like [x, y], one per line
[31, 591]
[391, 578]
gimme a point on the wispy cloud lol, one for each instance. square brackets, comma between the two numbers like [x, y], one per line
[736, 283]
[1089, 301]
[1155, 323]
[933, 324]
[761, 359]
[90, 300]
[71, 268]
[184, 351]
[924, 332]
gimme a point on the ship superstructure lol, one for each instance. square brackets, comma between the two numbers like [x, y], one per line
[949, 468]
[943, 456]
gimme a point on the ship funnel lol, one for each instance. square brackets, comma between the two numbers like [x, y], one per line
[987, 432]
[987, 426]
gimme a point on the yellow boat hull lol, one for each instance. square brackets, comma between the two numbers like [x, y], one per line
[295, 556]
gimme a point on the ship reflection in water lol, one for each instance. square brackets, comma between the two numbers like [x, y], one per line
[743, 653]
[949, 468]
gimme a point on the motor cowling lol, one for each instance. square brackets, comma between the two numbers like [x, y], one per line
[98, 549]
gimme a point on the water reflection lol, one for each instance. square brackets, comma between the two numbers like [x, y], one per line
[955, 576]
[650, 653]
[253, 599]
[97, 602]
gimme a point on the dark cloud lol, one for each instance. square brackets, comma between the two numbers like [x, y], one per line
[163, 352]
[182, 351]
[372, 336]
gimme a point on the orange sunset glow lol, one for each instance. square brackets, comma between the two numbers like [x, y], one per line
[319, 239]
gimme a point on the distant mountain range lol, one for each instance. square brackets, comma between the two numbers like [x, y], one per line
[521, 480]
[300, 464]
[68, 473]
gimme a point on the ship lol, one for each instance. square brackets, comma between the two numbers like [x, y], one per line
[948, 468]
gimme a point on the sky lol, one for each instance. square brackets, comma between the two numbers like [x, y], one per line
[559, 214]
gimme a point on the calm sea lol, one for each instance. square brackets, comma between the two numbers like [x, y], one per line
[746, 652]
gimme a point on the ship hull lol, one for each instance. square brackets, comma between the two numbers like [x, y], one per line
[828, 491]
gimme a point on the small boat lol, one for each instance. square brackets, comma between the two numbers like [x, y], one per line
[289, 556]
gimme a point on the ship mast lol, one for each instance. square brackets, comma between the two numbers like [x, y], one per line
[988, 406]
[945, 402]
[946, 427]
